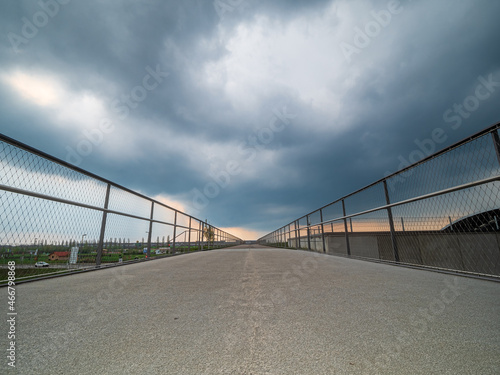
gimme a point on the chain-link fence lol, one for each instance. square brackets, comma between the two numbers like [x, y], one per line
[442, 212]
[56, 218]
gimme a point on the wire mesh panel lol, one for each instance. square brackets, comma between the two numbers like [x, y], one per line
[303, 233]
[471, 161]
[331, 212]
[24, 170]
[128, 203]
[456, 231]
[377, 221]
[134, 230]
[315, 217]
[196, 234]
[316, 238]
[233, 240]
[293, 237]
[164, 214]
[182, 220]
[34, 230]
[303, 240]
[369, 235]
[366, 199]
[166, 234]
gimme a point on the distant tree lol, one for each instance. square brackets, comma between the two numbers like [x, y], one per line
[208, 233]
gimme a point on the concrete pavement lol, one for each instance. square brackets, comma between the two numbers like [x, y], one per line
[256, 311]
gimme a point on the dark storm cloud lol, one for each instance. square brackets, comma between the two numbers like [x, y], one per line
[228, 75]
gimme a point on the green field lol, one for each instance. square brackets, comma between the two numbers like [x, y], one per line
[25, 264]
[27, 273]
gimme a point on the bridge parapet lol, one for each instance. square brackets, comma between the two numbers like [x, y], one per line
[440, 212]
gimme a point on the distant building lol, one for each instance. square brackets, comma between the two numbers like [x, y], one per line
[59, 255]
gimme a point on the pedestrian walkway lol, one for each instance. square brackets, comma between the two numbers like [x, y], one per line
[254, 310]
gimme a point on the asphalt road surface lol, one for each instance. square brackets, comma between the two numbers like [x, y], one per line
[255, 311]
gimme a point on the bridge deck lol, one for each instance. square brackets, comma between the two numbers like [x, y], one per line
[257, 311]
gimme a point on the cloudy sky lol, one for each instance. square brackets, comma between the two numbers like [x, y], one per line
[247, 113]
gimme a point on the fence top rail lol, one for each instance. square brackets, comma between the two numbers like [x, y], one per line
[468, 139]
[82, 171]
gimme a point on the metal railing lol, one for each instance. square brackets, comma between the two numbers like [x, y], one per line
[71, 219]
[442, 212]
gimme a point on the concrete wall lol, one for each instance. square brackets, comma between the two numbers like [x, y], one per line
[473, 252]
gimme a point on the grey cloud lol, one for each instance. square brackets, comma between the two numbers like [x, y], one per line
[427, 59]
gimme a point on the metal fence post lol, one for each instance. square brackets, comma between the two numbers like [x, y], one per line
[346, 230]
[322, 229]
[308, 233]
[391, 224]
[496, 143]
[175, 232]
[189, 236]
[150, 230]
[207, 236]
[200, 235]
[297, 238]
[287, 236]
[103, 227]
